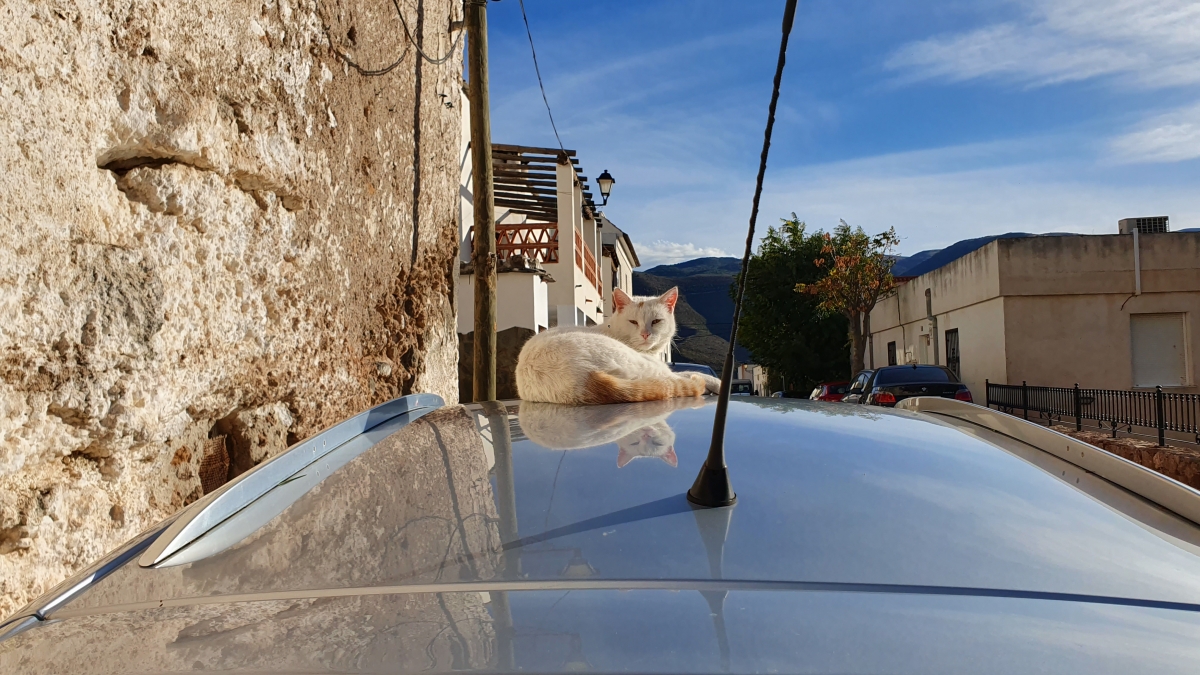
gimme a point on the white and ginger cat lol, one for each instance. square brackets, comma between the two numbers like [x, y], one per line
[617, 362]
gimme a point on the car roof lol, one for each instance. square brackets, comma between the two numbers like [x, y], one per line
[855, 514]
[826, 493]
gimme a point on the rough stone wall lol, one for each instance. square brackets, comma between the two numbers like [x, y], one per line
[1182, 464]
[214, 235]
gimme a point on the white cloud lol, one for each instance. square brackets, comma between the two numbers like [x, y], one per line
[663, 252]
[1172, 137]
[1146, 43]
[932, 197]
[933, 206]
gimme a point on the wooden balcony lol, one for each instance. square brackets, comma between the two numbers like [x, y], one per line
[586, 261]
[536, 241]
[539, 241]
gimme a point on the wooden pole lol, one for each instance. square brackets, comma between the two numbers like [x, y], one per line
[483, 254]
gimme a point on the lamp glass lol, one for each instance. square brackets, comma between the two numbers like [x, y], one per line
[605, 181]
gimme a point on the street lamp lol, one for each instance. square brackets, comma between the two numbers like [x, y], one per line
[605, 181]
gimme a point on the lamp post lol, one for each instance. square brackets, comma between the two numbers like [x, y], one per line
[605, 181]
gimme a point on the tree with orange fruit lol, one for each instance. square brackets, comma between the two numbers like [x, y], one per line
[858, 271]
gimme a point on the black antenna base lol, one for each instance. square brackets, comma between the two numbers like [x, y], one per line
[712, 488]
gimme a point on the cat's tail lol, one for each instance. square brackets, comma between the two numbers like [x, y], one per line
[604, 388]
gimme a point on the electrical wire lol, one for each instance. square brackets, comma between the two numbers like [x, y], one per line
[438, 61]
[369, 72]
[538, 71]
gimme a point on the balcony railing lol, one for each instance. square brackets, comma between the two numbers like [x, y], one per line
[536, 241]
[539, 241]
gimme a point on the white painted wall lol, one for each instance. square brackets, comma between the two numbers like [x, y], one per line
[521, 300]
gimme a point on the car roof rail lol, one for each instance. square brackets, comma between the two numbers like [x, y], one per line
[221, 504]
[1151, 485]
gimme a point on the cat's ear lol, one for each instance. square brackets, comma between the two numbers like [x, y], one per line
[620, 300]
[670, 458]
[670, 298]
[623, 458]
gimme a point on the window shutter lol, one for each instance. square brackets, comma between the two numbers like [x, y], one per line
[1159, 356]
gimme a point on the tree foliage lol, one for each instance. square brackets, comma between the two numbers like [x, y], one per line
[857, 271]
[785, 331]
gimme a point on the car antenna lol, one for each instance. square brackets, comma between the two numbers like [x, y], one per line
[712, 487]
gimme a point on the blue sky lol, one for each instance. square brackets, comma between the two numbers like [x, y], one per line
[946, 120]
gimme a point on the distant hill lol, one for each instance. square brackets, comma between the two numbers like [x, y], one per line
[705, 309]
[691, 268]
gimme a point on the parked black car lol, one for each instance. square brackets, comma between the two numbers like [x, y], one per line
[693, 368]
[890, 384]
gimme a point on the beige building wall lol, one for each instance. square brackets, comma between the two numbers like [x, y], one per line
[1048, 310]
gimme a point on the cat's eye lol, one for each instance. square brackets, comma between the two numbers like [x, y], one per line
[655, 322]
[633, 322]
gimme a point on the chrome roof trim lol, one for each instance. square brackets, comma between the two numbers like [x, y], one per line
[67, 589]
[1147, 483]
[254, 516]
[215, 507]
[17, 625]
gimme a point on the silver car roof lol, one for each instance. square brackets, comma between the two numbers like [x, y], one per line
[570, 510]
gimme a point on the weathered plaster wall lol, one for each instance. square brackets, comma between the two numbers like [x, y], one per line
[215, 236]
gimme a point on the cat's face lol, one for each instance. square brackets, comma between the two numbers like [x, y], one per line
[645, 323]
[656, 440]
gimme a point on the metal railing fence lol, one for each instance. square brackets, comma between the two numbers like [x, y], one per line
[1117, 408]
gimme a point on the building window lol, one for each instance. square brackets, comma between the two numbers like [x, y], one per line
[1159, 350]
[891, 353]
[952, 352]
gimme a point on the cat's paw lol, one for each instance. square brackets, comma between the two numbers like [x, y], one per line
[712, 385]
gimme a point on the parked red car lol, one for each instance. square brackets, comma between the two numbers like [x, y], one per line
[830, 391]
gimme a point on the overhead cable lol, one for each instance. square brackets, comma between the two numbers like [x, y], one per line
[538, 71]
[369, 72]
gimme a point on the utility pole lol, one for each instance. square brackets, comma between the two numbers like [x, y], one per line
[483, 254]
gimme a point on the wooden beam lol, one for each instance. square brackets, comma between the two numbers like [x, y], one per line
[528, 148]
[526, 204]
[523, 169]
[526, 226]
[533, 214]
[525, 210]
[516, 175]
[527, 189]
[529, 182]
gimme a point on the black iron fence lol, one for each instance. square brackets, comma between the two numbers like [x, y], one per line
[1118, 409]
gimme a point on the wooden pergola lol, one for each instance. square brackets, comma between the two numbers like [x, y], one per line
[526, 180]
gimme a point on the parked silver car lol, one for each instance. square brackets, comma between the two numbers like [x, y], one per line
[938, 537]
